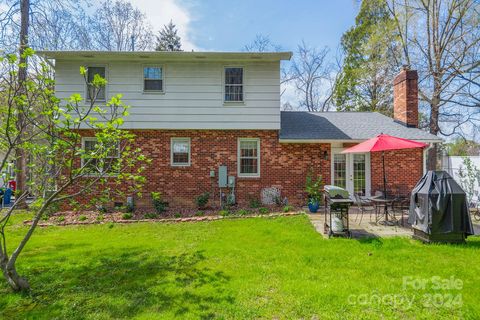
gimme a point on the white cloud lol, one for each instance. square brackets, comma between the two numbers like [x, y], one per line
[160, 12]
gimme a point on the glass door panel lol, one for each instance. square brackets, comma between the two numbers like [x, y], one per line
[340, 170]
[359, 174]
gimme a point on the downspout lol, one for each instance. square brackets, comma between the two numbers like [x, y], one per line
[425, 153]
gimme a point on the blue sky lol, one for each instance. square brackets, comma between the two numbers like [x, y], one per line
[227, 25]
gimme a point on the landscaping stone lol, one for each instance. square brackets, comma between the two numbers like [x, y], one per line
[89, 220]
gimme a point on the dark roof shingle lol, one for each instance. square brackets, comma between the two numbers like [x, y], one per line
[298, 125]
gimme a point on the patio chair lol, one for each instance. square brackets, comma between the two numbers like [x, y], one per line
[401, 205]
[364, 206]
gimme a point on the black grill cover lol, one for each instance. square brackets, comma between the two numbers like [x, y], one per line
[438, 205]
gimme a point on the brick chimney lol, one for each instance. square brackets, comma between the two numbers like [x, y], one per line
[405, 97]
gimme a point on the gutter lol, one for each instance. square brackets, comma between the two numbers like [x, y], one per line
[430, 141]
[425, 154]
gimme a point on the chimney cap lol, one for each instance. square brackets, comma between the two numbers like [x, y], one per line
[405, 74]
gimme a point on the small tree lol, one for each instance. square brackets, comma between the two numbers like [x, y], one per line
[168, 39]
[118, 25]
[313, 187]
[311, 74]
[469, 178]
[61, 166]
[262, 43]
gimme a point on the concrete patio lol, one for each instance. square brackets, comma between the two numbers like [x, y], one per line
[367, 228]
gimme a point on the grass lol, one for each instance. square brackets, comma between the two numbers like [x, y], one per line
[272, 268]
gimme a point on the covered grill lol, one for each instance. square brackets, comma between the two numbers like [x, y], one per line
[337, 202]
[439, 210]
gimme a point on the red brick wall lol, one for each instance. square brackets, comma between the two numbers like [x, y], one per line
[282, 165]
[403, 168]
[405, 97]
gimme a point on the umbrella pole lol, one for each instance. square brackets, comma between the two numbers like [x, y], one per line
[384, 176]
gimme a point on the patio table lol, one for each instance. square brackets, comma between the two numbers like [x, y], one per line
[380, 201]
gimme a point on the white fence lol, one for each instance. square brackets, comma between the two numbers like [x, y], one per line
[454, 164]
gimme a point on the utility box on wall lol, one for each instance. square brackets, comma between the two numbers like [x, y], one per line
[222, 177]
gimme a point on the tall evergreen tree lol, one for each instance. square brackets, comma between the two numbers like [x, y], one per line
[168, 39]
[365, 82]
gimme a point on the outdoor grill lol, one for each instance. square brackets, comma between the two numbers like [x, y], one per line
[337, 202]
[438, 209]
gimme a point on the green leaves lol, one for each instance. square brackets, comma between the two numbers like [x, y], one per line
[364, 83]
[98, 81]
[60, 158]
[27, 52]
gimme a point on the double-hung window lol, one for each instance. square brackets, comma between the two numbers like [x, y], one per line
[248, 157]
[180, 152]
[98, 159]
[153, 79]
[97, 93]
[233, 84]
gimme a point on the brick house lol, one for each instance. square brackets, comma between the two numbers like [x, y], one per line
[196, 114]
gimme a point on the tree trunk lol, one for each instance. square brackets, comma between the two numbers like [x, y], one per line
[21, 161]
[433, 125]
[16, 282]
[7, 264]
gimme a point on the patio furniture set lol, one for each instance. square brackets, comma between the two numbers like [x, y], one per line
[385, 210]
[382, 206]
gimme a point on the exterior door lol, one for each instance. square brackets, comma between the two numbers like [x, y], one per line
[351, 171]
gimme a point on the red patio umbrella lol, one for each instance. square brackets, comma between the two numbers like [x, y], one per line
[384, 142]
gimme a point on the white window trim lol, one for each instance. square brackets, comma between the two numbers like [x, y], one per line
[248, 175]
[82, 159]
[87, 65]
[181, 139]
[224, 84]
[163, 79]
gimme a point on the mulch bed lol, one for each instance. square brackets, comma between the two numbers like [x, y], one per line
[91, 217]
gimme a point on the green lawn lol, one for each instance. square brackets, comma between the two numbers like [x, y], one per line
[277, 268]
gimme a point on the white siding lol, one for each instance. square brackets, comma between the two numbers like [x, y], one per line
[193, 97]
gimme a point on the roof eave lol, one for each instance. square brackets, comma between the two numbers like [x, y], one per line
[283, 140]
[165, 55]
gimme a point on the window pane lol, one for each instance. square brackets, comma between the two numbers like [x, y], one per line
[89, 145]
[233, 75]
[91, 72]
[340, 170]
[359, 180]
[249, 157]
[180, 151]
[153, 85]
[233, 93]
[181, 147]
[100, 163]
[233, 84]
[180, 158]
[248, 166]
[248, 149]
[152, 73]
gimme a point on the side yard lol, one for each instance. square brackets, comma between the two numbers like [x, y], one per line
[242, 268]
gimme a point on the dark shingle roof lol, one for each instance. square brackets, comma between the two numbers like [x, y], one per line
[297, 125]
